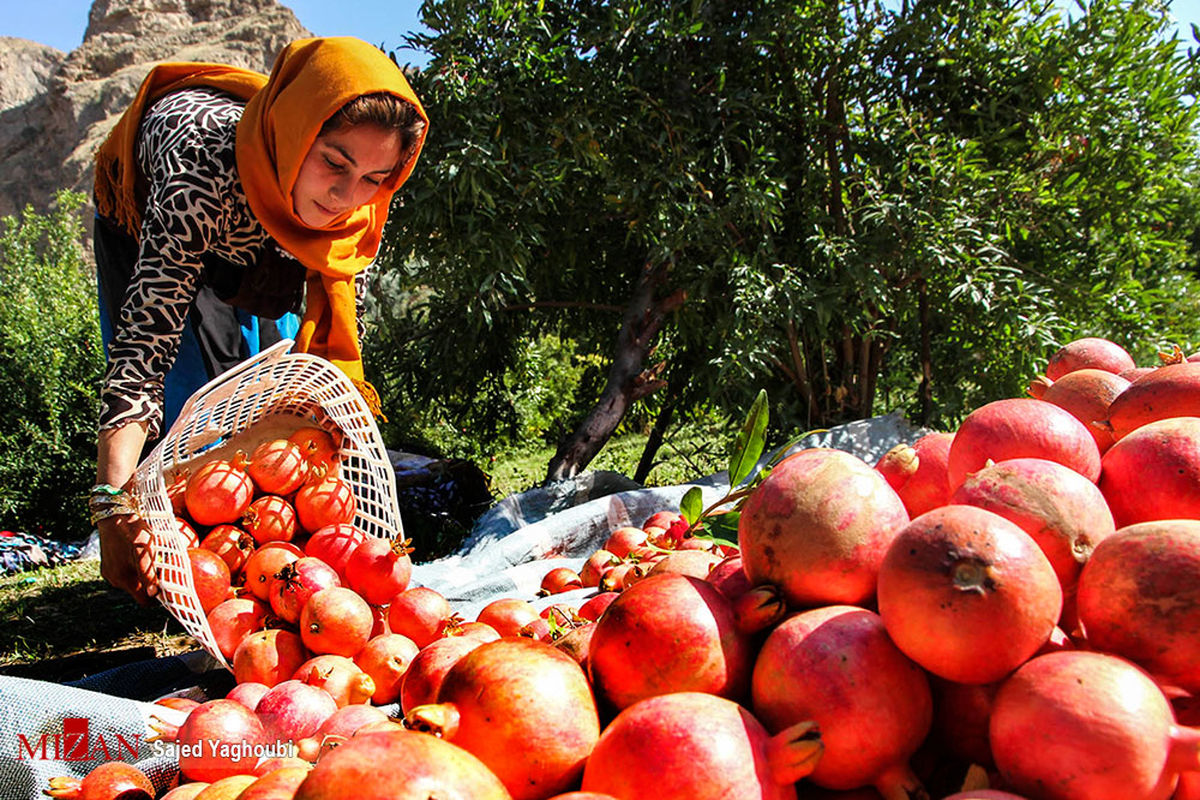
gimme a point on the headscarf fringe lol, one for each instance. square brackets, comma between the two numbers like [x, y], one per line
[371, 397]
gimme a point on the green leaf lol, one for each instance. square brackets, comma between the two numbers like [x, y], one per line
[748, 445]
[692, 505]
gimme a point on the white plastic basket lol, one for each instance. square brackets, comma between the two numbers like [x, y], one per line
[270, 394]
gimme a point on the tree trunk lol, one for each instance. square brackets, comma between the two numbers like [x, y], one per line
[654, 441]
[628, 380]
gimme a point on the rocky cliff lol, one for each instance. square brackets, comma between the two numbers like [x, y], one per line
[56, 108]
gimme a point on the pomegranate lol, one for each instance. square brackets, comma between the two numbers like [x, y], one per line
[233, 620]
[1021, 427]
[343, 723]
[176, 490]
[266, 766]
[1090, 352]
[508, 615]
[918, 472]
[248, 693]
[697, 563]
[418, 767]
[597, 562]
[577, 642]
[220, 491]
[1063, 511]
[479, 631]
[685, 636]
[334, 544]
[336, 621]
[595, 606]
[428, 669]
[558, 580]
[318, 448]
[185, 791]
[517, 695]
[419, 613]
[277, 466]
[758, 609]
[293, 709]
[379, 569]
[190, 537]
[270, 518]
[1153, 473]
[386, 659]
[213, 738]
[624, 539]
[262, 565]
[967, 594]
[210, 577]
[341, 678]
[227, 788]
[984, 794]
[1139, 598]
[691, 745]
[280, 784]
[836, 666]
[296, 583]
[729, 577]
[268, 657]
[1087, 395]
[960, 718]
[1169, 391]
[113, 780]
[177, 703]
[232, 544]
[1080, 724]
[328, 501]
[817, 527]
[624, 575]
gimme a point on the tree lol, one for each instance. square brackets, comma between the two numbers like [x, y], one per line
[837, 202]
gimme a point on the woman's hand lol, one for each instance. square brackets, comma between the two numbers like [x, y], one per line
[127, 556]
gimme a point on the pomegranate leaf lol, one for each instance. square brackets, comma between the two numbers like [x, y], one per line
[692, 505]
[748, 445]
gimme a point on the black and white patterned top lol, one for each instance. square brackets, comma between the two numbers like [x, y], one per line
[195, 205]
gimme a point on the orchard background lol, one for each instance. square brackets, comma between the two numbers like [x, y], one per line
[632, 217]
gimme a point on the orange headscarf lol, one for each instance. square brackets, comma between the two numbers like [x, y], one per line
[311, 80]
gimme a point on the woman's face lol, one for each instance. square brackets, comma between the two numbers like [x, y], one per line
[342, 171]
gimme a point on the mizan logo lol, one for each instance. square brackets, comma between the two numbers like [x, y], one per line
[76, 743]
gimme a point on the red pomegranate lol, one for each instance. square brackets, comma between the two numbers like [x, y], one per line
[232, 544]
[691, 745]
[419, 613]
[508, 615]
[1078, 724]
[279, 784]
[318, 447]
[386, 658]
[1021, 427]
[817, 527]
[379, 569]
[1153, 473]
[334, 544]
[836, 666]
[967, 594]
[343, 723]
[248, 693]
[517, 696]
[576, 642]
[428, 669]
[213, 740]
[299, 580]
[293, 709]
[1087, 395]
[685, 636]
[328, 501]
[1139, 597]
[1090, 352]
[1063, 511]
[597, 562]
[336, 621]
[918, 472]
[960, 719]
[1169, 391]
[210, 577]
[558, 580]
[185, 791]
[264, 562]
[113, 780]
[729, 577]
[595, 606]
[697, 563]
[624, 539]
[418, 767]
[190, 537]
[277, 466]
[270, 518]
[220, 491]
[233, 620]
[343, 679]
[268, 657]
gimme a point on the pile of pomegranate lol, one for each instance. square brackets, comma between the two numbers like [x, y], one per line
[1015, 603]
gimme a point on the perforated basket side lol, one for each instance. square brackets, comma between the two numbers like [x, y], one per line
[273, 383]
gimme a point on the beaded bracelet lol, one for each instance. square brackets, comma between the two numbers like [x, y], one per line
[106, 501]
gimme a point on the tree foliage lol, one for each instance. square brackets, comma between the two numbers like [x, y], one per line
[866, 207]
[51, 361]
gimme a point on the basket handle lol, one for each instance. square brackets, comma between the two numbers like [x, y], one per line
[272, 353]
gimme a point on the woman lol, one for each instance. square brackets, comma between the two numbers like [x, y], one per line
[225, 199]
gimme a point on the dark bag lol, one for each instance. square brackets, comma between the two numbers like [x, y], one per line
[270, 288]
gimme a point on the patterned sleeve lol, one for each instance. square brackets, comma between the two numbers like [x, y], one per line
[361, 282]
[182, 216]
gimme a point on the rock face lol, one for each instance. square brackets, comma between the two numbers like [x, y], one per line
[56, 108]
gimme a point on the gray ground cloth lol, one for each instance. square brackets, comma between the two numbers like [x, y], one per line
[508, 551]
